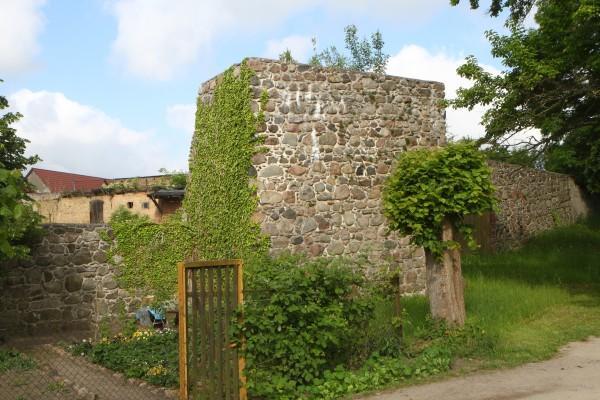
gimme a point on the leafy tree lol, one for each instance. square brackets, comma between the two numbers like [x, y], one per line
[579, 156]
[518, 8]
[427, 197]
[364, 55]
[18, 221]
[514, 155]
[12, 147]
[551, 82]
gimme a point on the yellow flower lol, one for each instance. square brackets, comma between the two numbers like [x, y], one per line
[157, 370]
[138, 335]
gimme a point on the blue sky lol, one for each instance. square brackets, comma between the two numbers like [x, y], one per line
[107, 87]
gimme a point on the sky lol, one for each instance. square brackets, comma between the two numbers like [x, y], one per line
[108, 87]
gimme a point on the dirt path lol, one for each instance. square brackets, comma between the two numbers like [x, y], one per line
[95, 380]
[61, 376]
[573, 375]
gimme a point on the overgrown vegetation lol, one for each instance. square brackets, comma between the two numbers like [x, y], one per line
[318, 330]
[219, 201]
[177, 179]
[13, 360]
[19, 223]
[286, 57]
[149, 355]
[215, 220]
[301, 318]
[148, 252]
[514, 155]
[365, 55]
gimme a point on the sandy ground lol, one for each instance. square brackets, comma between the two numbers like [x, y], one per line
[574, 374]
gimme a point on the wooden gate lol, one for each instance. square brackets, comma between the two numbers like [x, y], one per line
[209, 366]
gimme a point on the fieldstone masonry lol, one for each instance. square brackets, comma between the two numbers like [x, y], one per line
[531, 201]
[332, 137]
[66, 285]
[331, 140]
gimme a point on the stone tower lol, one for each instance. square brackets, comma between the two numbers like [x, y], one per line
[332, 138]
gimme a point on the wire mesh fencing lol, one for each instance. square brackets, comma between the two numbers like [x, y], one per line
[61, 367]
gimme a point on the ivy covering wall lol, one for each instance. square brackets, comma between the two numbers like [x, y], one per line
[147, 253]
[220, 201]
[216, 219]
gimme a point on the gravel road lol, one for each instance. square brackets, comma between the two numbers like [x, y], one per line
[574, 374]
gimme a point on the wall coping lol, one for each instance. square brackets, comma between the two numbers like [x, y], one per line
[308, 67]
[535, 170]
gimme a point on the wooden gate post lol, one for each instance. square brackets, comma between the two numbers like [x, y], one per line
[214, 296]
[182, 320]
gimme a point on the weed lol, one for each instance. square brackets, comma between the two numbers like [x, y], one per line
[14, 360]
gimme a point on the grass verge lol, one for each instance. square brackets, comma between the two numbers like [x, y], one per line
[529, 302]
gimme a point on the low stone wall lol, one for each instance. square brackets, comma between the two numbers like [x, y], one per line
[66, 285]
[531, 201]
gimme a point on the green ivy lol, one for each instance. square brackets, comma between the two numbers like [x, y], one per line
[148, 252]
[216, 219]
[219, 201]
[428, 185]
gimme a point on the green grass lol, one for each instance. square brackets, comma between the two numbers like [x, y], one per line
[12, 360]
[526, 303]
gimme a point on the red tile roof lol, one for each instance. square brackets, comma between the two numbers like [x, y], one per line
[66, 182]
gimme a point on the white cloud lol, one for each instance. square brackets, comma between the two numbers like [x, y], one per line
[21, 21]
[417, 62]
[182, 117]
[158, 38]
[73, 137]
[300, 46]
[529, 22]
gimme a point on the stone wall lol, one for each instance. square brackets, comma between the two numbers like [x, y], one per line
[531, 201]
[332, 137]
[66, 285]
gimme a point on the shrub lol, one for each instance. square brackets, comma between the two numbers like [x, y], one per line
[301, 318]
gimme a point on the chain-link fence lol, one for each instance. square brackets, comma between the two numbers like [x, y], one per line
[141, 365]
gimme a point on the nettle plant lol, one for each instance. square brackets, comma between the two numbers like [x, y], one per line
[427, 197]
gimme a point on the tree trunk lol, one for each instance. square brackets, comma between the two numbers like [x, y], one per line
[445, 283]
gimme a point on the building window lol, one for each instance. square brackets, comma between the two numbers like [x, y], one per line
[130, 204]
[145, 205]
